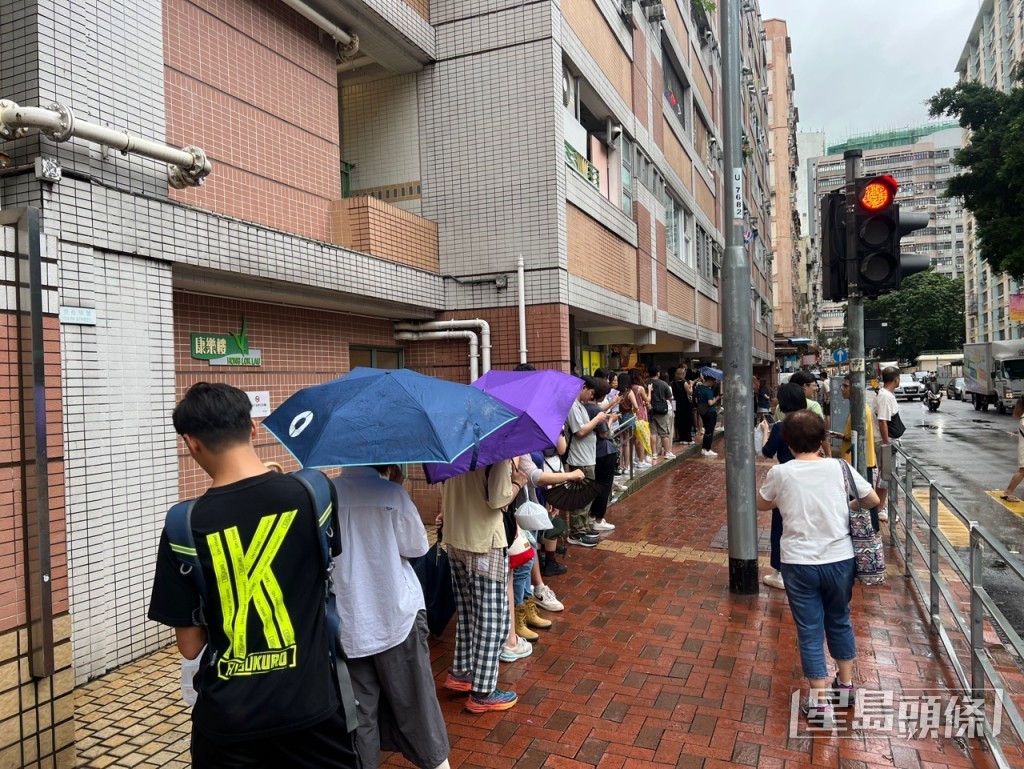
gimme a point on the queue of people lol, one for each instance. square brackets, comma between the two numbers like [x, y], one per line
[254, 645]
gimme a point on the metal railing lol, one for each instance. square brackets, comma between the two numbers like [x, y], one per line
[979, 676]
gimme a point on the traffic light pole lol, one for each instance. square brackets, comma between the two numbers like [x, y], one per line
[737, 325]
[855, 311]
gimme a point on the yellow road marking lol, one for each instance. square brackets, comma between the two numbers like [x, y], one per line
[950, 526]
[1017, 508]
[634, 549]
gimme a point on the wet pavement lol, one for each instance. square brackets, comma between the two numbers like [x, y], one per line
[653, 663]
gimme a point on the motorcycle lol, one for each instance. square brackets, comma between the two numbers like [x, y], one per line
[932, 400]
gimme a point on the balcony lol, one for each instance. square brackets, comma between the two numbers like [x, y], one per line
[582, 166]
[380, 229]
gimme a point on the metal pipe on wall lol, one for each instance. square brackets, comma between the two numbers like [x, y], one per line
[471, 323]
[474, 345]
[521, 271]
[188, 165]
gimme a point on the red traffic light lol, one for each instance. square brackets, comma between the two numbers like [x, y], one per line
[877, 193]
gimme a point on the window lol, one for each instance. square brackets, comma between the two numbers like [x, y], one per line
[374, 357]
[627, 175]
[672, 227]
[676, 88]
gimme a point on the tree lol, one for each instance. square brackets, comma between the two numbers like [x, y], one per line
[927, 313]
[992, 186]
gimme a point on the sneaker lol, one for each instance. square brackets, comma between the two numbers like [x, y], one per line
[583, 540]
[496, 700]
[619, 471]
[708, 453]
[619, 486]
[883, 516]
[546, 598]
[842, 695]
[818, 716]
[458, 683]
[523, 648]
[603, 526]
[774, 580]
[669, 455]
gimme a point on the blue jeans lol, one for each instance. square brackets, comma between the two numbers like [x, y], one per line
[819, 598]
[521, 580]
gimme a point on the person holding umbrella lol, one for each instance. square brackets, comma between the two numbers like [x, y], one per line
[478, 552]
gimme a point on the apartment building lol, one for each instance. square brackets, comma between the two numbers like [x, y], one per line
[783, 118]
[995, 45]
[921, 161]
[378, 169]
[810, 145]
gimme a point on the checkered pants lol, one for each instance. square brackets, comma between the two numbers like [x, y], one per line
[481, 603]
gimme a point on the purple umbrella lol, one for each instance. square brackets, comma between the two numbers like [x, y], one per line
[541, 401]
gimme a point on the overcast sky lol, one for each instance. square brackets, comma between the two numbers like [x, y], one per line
[869, 65]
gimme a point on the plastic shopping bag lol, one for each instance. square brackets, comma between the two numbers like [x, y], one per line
[642, 433]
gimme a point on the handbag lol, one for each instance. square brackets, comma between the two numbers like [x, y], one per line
[868, 552]
[435, 576]
[896, 426]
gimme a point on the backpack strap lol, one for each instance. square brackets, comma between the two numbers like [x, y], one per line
[322, 495]
[178, 526]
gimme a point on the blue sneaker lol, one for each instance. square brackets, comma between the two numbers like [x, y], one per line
[496, 700]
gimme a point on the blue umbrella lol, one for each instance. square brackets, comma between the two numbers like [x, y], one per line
[714, 373]
[541, 400]
[384, 416]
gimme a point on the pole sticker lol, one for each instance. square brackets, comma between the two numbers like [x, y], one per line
[737, 193]
[856, 365]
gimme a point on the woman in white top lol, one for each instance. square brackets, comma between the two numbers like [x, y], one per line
[817, 556]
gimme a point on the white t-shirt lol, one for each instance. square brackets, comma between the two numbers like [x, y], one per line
[376, 590]
[885, 406]
[811, 495]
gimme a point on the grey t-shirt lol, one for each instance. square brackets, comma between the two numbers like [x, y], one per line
[582, 451]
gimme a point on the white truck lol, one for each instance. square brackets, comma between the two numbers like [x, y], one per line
[994, 374]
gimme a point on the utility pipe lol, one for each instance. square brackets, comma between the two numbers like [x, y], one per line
[474, 348]
[520, 269]
[441, 325]
[349, 42]
[188, 166]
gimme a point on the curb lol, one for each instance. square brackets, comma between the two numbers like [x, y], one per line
[639, 481]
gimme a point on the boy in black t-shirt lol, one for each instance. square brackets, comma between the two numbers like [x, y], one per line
[267, 695]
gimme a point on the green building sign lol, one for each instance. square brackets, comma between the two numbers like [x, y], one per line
[226, 349]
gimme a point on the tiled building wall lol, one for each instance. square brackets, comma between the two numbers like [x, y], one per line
[36, 714]
[681, 299]
[587, 21]
[492, 155]
[254, 85]
[380, 133]
[599, 255]
[120, 468]
[300, 348]
[373, 227]
[101, 59]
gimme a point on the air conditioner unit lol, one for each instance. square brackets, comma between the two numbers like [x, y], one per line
[655, 12]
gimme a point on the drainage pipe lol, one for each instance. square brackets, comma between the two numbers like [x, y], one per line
[440, 325]
[188, 166]
[474, 345]
[348, 44]
[520, 269]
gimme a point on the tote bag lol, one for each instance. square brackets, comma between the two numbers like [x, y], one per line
[868, 552]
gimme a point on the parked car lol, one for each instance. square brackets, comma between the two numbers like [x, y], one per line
[909, 388]
[955, 389]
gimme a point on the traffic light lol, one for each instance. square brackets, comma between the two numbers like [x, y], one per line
[833, 247]
[879, 227]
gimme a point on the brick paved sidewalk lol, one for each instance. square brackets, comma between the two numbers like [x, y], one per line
[652, 664]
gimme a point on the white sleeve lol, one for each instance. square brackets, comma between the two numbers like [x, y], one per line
[770, 489]
[863, 487]
[409, 531]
